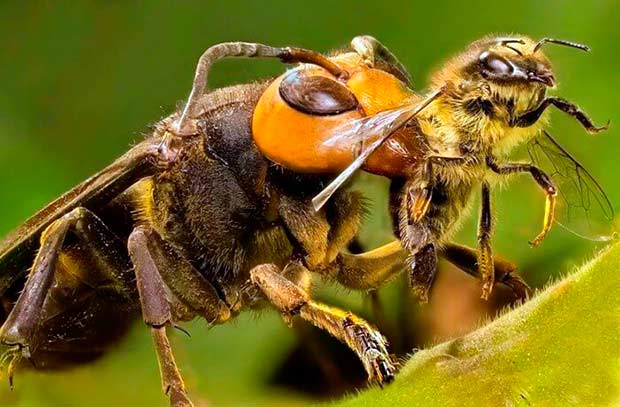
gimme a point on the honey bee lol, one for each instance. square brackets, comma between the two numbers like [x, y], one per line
[236, 201]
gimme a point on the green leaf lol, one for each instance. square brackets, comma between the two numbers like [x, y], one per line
[560, 348]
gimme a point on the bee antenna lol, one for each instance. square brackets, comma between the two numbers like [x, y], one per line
[560, 42]
[505, 42]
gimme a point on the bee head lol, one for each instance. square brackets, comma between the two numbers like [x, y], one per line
[506, 62]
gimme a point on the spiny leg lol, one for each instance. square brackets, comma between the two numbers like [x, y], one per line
[369, 271]
[21, 322]
[155, 262]
[20, 327]
[365, 341]
[543, 180]
[302, 278]
[466, 258]
[157, 314]
[172, 382]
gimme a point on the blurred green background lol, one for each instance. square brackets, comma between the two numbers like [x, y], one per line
[80, 81]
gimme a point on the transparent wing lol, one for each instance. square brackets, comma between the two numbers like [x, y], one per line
[369, 133]
[582, 206]
[359, 132]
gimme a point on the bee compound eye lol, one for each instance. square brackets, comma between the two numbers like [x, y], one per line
[494, 65]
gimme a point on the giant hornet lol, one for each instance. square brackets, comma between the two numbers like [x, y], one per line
[236, 200]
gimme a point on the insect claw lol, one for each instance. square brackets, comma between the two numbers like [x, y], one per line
[487, 289]
[604, 127]
[421, 293]
[13, 355]
[11, 370]
[534, 243]
[517, 285]
[288, 319]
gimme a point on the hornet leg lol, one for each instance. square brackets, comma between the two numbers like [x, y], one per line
[152, 268]
[365, 341]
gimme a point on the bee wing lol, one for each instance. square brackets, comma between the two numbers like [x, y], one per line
[582, 208]
[376, 129]
[18, 248]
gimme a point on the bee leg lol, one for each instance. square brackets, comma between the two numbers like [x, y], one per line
[423, 265]
[531, 117]
[158, 268]
[485, 253]
[466, 259]
[369, 345]
[420, 195]
[20, 327]
[543, 180]
[376, 54]
[246, 50]
[370, 270]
